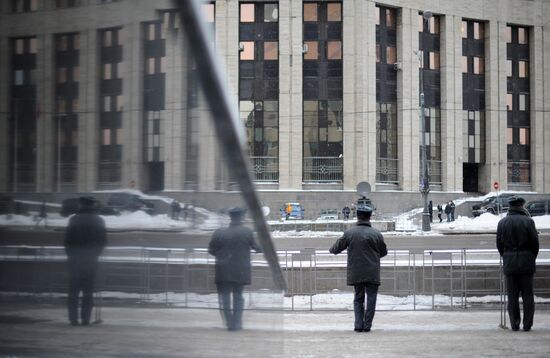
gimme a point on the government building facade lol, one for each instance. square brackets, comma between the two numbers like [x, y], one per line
[103, 94]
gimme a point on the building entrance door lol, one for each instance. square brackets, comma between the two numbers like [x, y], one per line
[470, 178]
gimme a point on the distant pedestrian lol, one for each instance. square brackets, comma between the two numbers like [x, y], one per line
[346, 211]
[85, 239]
[365, 246]
[288, 211]
[448, 210]
[176, 208]
[440, 212]
[453, 210]
[42, 215]
[231, 248]
[353, 214]
[518, 244]
[431, 211]
[185, 212]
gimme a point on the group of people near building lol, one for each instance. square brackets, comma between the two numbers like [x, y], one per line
[449, 211]
[516, 240]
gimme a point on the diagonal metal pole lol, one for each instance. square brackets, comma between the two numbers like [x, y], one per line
[227, 125]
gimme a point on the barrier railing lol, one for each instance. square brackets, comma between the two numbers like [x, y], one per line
[411, 279]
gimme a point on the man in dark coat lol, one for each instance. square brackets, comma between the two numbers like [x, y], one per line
[85, 239]
[518, 244]
[231, 248]
[346, 210]
[365, 246]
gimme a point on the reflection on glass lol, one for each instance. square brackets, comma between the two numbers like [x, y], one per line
[390, 17]
[522, 35]
[508, 34]
[271, 12]
[464, 29]
[271, 50]
[524, 136]
[434, 60]
[523, 69]
[509, 102]
[334, 50]
[464, 64]
[391, 56]
[478, 65]
[334, 12]
[478, 30]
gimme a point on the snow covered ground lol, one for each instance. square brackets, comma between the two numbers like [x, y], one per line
[208, 220]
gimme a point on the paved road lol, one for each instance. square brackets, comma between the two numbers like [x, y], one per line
[200, 240]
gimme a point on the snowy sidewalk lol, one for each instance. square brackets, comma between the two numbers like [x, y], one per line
[42, 330]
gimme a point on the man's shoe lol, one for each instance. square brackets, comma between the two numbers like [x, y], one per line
[515, 328]
[358, 329]
[526, 329]
[366, 330]
[74, 323]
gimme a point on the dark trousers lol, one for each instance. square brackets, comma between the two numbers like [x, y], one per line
[516, 285]
[81, 279]
[231, 314]
[363, 317]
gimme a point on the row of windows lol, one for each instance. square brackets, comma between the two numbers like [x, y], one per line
[248, 13]
[248, 51]
[311, 12]
[19, 6]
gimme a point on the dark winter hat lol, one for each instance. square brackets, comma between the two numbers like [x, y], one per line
[362, 208]
[86, 201]
[516, 201]
[236, 212]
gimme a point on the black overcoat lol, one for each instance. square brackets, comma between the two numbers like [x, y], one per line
[85, 239]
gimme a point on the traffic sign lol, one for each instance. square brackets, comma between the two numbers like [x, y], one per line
[496, 185]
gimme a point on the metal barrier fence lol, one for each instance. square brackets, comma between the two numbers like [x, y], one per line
[414, 280]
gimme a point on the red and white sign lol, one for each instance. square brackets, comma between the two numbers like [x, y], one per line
[496, 185]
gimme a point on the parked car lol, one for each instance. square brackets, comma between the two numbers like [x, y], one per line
[538, 207]
[492, 205]
[296, 211]
[129, 202]
[70, 206]
[328, 214]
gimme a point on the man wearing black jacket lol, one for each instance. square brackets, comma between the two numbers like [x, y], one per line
[365, 246]
[518, 244]
[85, 239]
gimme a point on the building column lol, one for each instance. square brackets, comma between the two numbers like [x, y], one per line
[175, 105]
[290, 95]
[451, 104]
[46, 130]
[408, 122]
[544, 127]
[495, 168]
[538, 138]
[6, 145]
[132, 116]
[88, 119]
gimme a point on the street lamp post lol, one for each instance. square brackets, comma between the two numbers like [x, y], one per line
[425, 184]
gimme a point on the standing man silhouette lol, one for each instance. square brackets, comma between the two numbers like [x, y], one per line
[85, 239]
[518, 244]
[231, 248]
[365, 246]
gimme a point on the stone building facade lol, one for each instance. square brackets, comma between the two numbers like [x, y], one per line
[99, 94]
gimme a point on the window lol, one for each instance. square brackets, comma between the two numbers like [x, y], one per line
[464, 64]
[311, 50]
[151, 31]
[76, 41]
[208, 11]
[334, 50]
[106, 138]
[478, 31]
[478, 65]
[434, 25]
[523, 69]
[61, 105]
[377, 53]
[33, 5]
[108, 38]
[334, 12]
[119, 103]
[271, 13]
[19, 46]
[390, 18]
[509, 136]
[107, 104]
[18, 79]
[150, 66]
[61, 75]
[464, 29]
[32, 45]
[377, 11]
[524, 136]
[162, 65]
[247, 52]
[310, 12]
[434, 61]
[271, 51]
[107, 73]
[391, 57]
[508, 34]
[62, 43]
[522, 35]
[522, 102]
[247, 12]
[509, 65]
[509, 102]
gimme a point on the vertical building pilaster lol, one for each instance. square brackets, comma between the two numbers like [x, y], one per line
[408, 122]
[495, 112]
[5, 127]
[132, 117]
[451, 103]
[538, 138]
[88, 120]
[545, 130]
